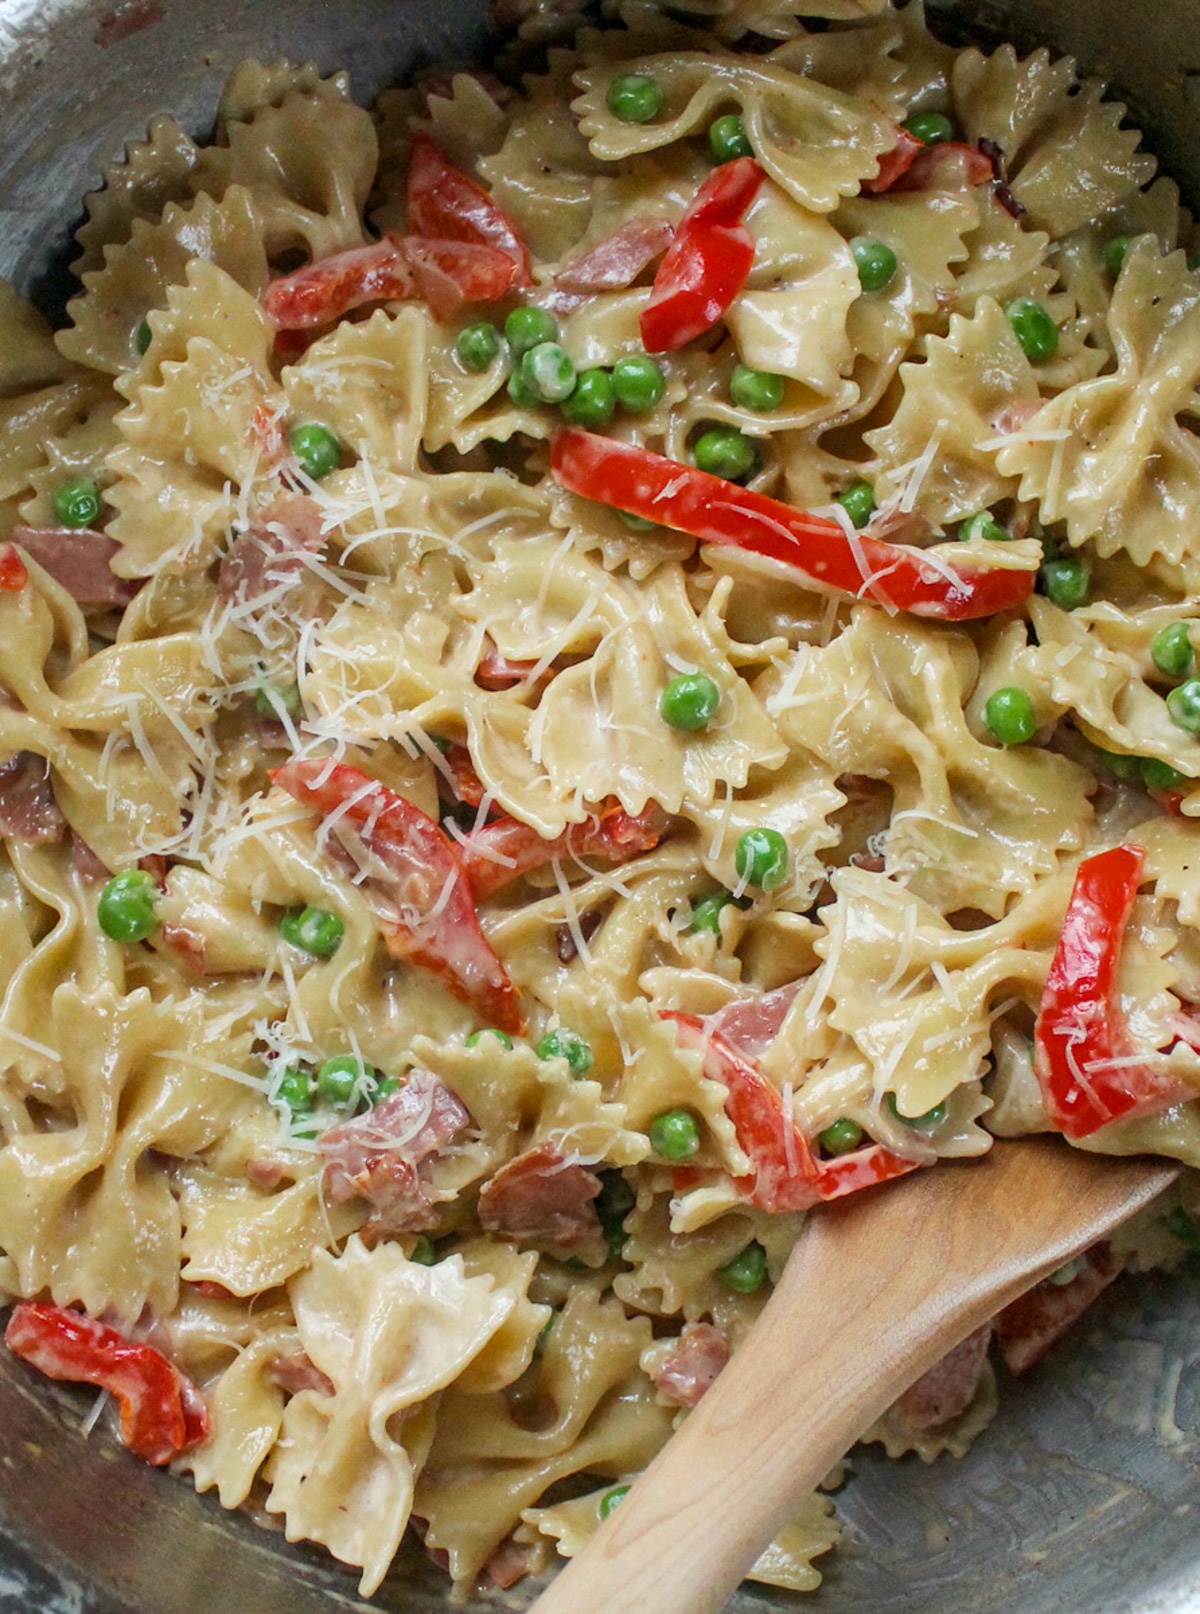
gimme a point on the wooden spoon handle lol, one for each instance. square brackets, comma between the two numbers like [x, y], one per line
[842, 1336]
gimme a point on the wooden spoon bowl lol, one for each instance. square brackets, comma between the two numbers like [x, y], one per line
[878, 1288]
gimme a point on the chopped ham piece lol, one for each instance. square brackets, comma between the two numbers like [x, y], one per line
[617, 260]
[188, 945]
[541, 1195]
[751, 1024]
[84, 861]
[502, 850]
[564, 938]
[295, 1372]
[510, 1562]
[687, 1371]
[1028, 1327]
[266, 562]
[496, 672]
[377, 1156]
[267, 1174]
[208, 1289]
[28, 810]
[948, 1388]
[80, 560]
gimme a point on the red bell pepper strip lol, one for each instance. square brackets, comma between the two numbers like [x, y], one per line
[322, 292]
[162, 1413]
[13, 572]
[464, 781]
[451, 273]
[426, 911]
[1081, 1044]
[718, 512]
[894, 164]
[444, 204]
[787, 1176]
[977, 167]
[707, 263]
[505, 848]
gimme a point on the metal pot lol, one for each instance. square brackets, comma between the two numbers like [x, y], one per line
[1080, 1496]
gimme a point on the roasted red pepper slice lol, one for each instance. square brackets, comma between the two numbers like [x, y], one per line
[894, 164]
[13, 572]
[322, 292]
[718, 512]
[426, 912]
[977, 167]
[787, 1176]
[445, 204]
[162, 1413]
[1082, 1050]
[505, 848]
[451, 273]
[707, 263]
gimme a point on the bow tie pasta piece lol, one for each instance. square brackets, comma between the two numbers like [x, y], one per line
[107, 316]
[486, 1466]
[368, 384]
[1067, 158]
[1111, 457]
[84, 1216]
[970, 381]
[389, 1334]
[308, 163]
[254, 85]
[862, 61]
[154, 172]
[598, 528]
[468, 410]
[1005, 260]
[28, 356]
[816, 143]
[80, 453]
[32, 424]
[199, 422]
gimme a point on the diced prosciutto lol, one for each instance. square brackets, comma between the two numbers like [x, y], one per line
[189, 947]
[617, 260]
[322, 292]
[510, 1562]
[948, 1388]
[377, 1156]
[894, 164]
[84, 861]
[688, 1370]
[264, 1173]
[935, 163]
[28, 810]
[543, 1196]
[1028, 1327]
[80, 560]
[295, 1371]
[264, 564]
[496, 672]
[752, 1024]
[417, 880]
[502, 850]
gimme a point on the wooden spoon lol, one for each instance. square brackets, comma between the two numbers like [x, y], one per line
[877, 1289]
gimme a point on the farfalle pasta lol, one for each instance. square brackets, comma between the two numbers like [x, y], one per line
[540, 621]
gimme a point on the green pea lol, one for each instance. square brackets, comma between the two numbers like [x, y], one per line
[1183, 1227]
[841, 1136]
[1171, 649]
[1068, 1272]
[548, 372]
[726, 452]
[295, 1089]
[689, 702]
[527, 328]
[142, 338]
[1009, 715]
[675, 1135]
[635, 523]
[747, 1271]
[568, 1045]
[423, 1252]
[756, 389]
[77, 503]
[502, 1037]
[982, 525]
[1158, 775]
[1034, 328]
[1065, 581]
[875, 261]
[1116, 252]
[639, 383]
[858, 501]
[930, 128]
[521, 393]
[1183, 703]
[727, 138]
[268, 698]
[593, 402]
[384, 1088]
[1122, 766]
[127, 906]
[479, 346]
[612, 1499]
[317, 450]
[341, 1078]
[316, 930]
[634, 97]
[919, 1123]
[761, 858]
[706, 912]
